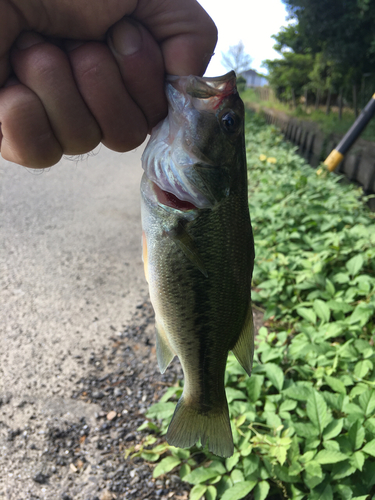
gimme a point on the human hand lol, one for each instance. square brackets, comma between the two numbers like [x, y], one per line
[75, 73]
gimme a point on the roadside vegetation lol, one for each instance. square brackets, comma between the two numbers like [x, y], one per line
[327, 55]
[328, 123]
[304, 423]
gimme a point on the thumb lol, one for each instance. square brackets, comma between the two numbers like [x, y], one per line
[141, 65]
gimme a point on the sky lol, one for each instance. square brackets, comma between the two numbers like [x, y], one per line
[253, 22]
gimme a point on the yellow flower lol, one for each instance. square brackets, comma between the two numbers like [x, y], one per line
[262, 157]
[271, 159]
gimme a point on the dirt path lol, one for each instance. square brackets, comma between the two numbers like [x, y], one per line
[70, 278]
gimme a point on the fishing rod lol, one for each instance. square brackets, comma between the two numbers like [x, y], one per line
[337, 155]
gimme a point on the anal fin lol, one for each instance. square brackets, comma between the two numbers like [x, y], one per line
[244, 348]
[164, 351]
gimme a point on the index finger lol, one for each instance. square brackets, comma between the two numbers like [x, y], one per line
[185, 32]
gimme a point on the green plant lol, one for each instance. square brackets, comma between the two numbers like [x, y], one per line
[304, 423]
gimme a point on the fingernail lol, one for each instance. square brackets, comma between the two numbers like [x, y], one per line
[28, 39]
[126, 38]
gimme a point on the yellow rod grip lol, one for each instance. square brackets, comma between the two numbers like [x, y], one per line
[333, 160]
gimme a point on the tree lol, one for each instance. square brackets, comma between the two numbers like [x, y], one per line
[289, 76]
[237, 59]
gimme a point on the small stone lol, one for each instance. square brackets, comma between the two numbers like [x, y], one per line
[98, 395]
[117, 392]
[40, 478]
[65, 496]
[106, 495]
[111, 415]
[73, 468]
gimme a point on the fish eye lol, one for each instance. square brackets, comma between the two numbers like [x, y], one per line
[229, 122]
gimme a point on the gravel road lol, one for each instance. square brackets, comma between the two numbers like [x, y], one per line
[77, 357]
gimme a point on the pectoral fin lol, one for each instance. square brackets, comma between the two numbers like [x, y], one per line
[185, 242]
[244, 348]
[164, 351]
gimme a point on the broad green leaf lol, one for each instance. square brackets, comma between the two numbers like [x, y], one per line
[200, 475]
[236, 476]
[367, 402]
[261, 490]
[307, 314]
[357, 460]
[356, 435]
[317, 411]
[232, 461]
[342, 469]
[211, 493]
[275, 374]
[322, 492]
[296, 493]
[218, 466]
[166, 465]
[287, 405]
[333, 429]
[354, 265]
[369, 448]
[171, 391]
[254, 387]
[362, 368]
[298, 392]
[313, 474]
[306, 430]
[197, 491]
[330, 457]
[239, 490]
[361, 314]
[335, 384]
[322, 310]
[223, 485]
[161, 410]
[331, 444]
[341, 278]
[344, 492]
[185, 469]
[180, 452]
[250, 464]
[233, 394]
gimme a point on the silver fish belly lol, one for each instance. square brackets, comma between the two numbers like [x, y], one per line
[198, 250]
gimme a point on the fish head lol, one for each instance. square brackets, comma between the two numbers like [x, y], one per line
[195, 157]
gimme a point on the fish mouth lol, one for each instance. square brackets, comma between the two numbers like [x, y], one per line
[171, 200]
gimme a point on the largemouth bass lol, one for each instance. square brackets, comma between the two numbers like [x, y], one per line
[198, 250]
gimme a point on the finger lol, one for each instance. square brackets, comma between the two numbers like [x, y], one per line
[141, 66]
[45, 69]
[26, 136]
[184, 30]
[122, 122]
[10, 26]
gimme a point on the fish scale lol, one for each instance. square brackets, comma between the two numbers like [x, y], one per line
[199, 261]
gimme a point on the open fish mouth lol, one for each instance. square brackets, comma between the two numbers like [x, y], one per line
[184, 177]
[170, 200]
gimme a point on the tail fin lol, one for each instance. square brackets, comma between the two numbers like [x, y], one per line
[188, 425]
